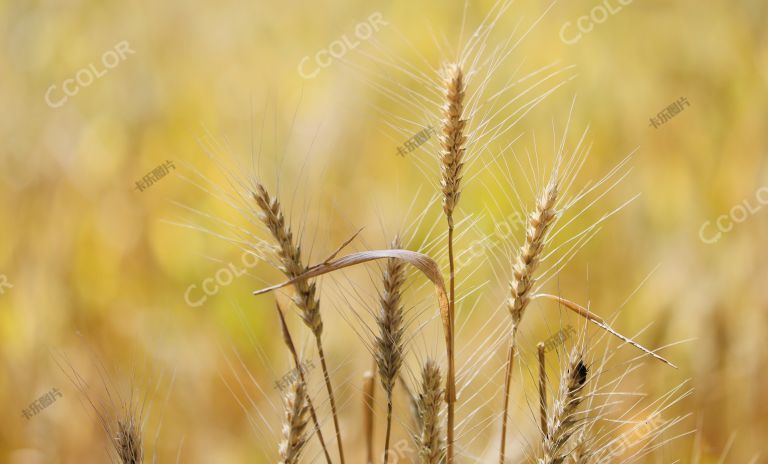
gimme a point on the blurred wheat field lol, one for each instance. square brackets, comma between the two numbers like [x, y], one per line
[113, 284]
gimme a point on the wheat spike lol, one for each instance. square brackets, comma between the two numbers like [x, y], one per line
[389, 344]
[428, 441]
[563, 422]
[452, 140]
[294, 423]
[528, 259]
[305, 293]
[290, 258]
[128, 442]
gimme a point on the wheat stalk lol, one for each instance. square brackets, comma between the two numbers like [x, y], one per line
[563, 422]
[368, 402]
[452, 141]
[428, 441]
[294, 423]
[305, 292]
[389, 344]
[542, 388]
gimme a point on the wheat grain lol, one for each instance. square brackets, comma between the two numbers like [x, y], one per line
[429, 443]
[389, 344]
[305, 296]
[294, 423]
[128, 440]
[452, 140]
[539, 223]
[564, 423]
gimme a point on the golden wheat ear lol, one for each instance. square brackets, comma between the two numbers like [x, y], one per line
[564, 421]
[389, 346]
[128, 440]
[295, 423]
[429, 442]
[453, 145]
[305, 297]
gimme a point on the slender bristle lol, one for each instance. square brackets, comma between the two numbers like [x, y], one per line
[289, 253]
[564, 423]
[128, 441]
[389, 344]
[530, 254]
[453, 140]
[294, 423]
[429, 442]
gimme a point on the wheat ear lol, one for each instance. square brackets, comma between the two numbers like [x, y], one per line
[429, 443]
[539, 223]
[305, 297]
[389, 344]
[297, 365]
[128, 441]
[452, 141]
[523, 271]
[294, 423]
[563, 422]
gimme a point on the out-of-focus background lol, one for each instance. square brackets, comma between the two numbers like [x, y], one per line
[111, 280]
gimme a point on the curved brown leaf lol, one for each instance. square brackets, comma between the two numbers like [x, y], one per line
[420, 261]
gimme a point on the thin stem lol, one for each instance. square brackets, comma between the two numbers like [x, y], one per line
[389, 429]
[330, 397]
[369, 388]
[451, 375]
[507, 383]
[292, 348]
[542, 389]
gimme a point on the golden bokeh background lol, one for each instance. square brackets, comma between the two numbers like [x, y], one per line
[94, 271]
